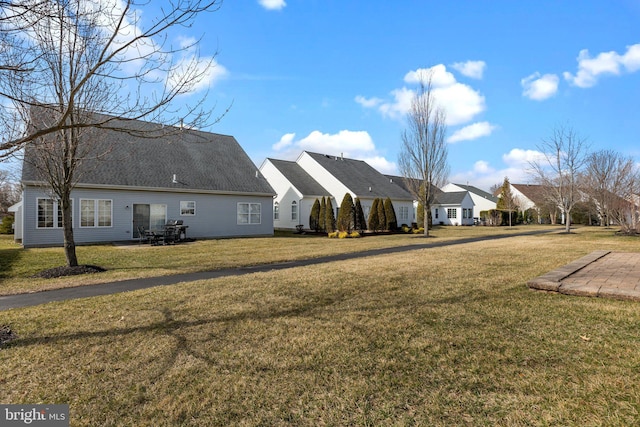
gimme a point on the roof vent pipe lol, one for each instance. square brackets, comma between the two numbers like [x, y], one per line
[175, 179]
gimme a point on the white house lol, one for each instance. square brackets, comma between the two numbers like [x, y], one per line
[296, 192]
[482, 200]
[337, 175]
[453, 208]
[204, 179]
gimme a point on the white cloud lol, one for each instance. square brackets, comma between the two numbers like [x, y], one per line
[521, 158]
[471, 132]
[540, 87]
[204, 72]
[612, 63]
[472, 69]
[515, 167]
[381, 164]
[352, 144]
[285, 141]
[272, 4]
[440, 77]
[460, 101]
[368, 102]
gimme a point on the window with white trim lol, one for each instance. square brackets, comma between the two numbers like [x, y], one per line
[249, 213]
[96, 213]
[187, 208]
[50, 213]
[294, 211]
[436, 213]
[452, 213]
[404, 213]
[276, 211]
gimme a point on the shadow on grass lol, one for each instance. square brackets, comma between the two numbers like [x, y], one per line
[7, 258]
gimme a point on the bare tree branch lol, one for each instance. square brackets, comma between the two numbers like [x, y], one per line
[92, 66]
[558, 171]
[423, 158]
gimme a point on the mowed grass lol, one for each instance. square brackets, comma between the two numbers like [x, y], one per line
[442, 336]
[18, 266]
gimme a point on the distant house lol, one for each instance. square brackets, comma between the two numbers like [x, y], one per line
[334, 176]
[202, 178]
[531, 196]
[296, 192]
[482, 200]
[452, 208]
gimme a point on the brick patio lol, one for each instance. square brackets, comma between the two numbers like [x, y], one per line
[602, 274]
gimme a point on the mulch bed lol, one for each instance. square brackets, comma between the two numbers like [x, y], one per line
[69, 271]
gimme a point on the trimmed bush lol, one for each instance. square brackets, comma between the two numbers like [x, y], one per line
[390, 215]
[330, 217]
[382, 216]
[346, 217]
[322, 216]
[373, 216]
[361, 222]
[314, 216]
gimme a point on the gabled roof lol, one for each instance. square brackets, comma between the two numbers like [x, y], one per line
[200, 161]
[360, 178]
[451, 198]
[535, 193]
[299, 178]
[398, 180]
[479, 192]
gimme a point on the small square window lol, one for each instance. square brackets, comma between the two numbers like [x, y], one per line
[187, 208]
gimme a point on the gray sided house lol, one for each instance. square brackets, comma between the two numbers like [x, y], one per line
[204, 179]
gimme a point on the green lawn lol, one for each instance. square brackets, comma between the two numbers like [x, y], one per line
[443, 336]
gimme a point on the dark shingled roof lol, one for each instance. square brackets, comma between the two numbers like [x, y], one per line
[479, 192]
[201, 161]
[358, 177]
[451, 198]
[299, 178]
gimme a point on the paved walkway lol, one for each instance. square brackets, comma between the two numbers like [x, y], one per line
[600, 274]
[35, 298]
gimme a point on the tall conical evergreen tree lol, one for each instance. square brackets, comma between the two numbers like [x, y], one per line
[345, 216]
[360, 221]
[390, 213]
[374, 223]
[322, 216]
[314, 216]
[330, 218]
[382, 216]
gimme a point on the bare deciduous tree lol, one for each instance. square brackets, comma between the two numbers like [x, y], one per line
[85, 58]
[558, 169]
[423, 159]
[507, 201]
[612, 180]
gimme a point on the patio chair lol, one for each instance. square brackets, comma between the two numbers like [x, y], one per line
[142, 234]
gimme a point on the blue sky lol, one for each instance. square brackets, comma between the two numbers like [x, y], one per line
[335, 77]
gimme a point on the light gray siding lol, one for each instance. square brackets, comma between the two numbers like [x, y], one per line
[216, 215]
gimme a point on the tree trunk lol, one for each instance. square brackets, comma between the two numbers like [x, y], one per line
[427, 209]
[69, 242]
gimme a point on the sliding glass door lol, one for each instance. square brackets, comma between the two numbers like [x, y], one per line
[149, 216]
